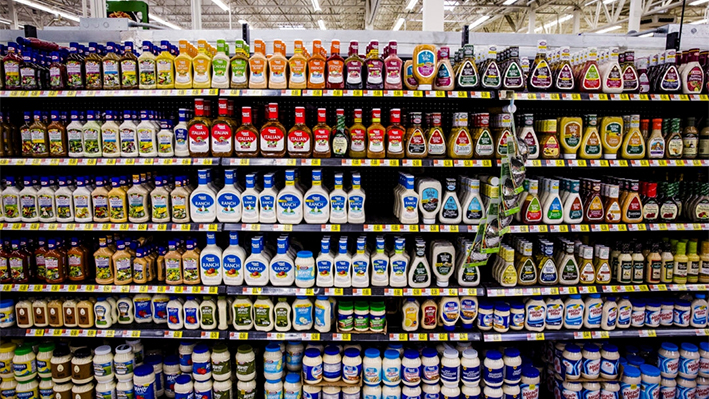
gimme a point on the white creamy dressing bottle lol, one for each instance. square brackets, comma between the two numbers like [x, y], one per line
[450, 212]
[343, 265]
[181, 144]
[360, 265]
[289, 205]
[380, 264]
[325, 265]
[316, 206]
[210, 262]
[229, 199]
[338, 202]
[267, 200]
[203, 207]
[429, 191]
[282, 266]
[250, 200]
[399, 262]
[420, 271]
[355, 200]
[256, 265]
[233, 261]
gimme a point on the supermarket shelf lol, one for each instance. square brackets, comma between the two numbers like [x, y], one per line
[592, 289]
[108, 161]
[107, 93]
[598, 334]
[356, 228]
[508, 95]
[616, 163]
[374, 291]
[315, 336]
[113, 226]
[458, 163]
[111, 333]
[357, 93]
[113, 289]
[604, 228]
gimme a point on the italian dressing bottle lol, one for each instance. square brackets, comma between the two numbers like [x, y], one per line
[380, 264]
[289, 206]
[316, 206]
[233, 261]
[355, 200]
[325, 265]
[210, 262]
[360, 265]
[343, 265]
[250, 200]
[267, 200]
[399, 262]
[203, 208]
[338, 202]
[229, 199]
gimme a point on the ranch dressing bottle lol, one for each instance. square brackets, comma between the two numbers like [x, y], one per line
[343, 266]
[360, 265]
[250, 200]
[203, 208]
[267, 200]
[420, 272]
[324, 264]
[338, 202]
[256, 265]
[289, 206]
[380, 265]
[229, 199]
[282, 266]
[355, 200]
[210, 262]
[316, 209]
[399, 264]
[233, 261]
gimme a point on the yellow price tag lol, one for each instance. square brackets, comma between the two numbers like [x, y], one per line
[448, 163]
[536, 337]
[57, 332]
[366, 291]
[604, 334]
[417, 291]
[74, 333]
[398, 292]
[334, 227]
[586, 335]
[377, 227]
[213, 227]
[242, 336]
[572, 290]
[309, 291]
[592, 290]
[338, 291]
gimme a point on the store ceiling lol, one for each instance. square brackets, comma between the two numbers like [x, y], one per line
[552, 16]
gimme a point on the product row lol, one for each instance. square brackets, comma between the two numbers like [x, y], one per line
[164, 198]
[566, 262]
[411, 135]
[33, 66]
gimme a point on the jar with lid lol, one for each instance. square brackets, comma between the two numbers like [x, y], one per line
[137, 348]
[85, 391]
[7, 313]
[485, 316]
[430, 366]
[272, 362]
[372, 391]
[351, 392]
[311, 391]
[591, 367]
[591, 390]
[609, 361]
[272, 389]
[390, 392]
[650, 381]
[292, 387]
[144, 382]
[493, 392]
[686, 388]
[501, 317]
[668, 360]
[470, 368]
[529, 388]
[185, 355]
[29, 389]
[372, 367]
[630, 384]
[352, 366]
[702, 388]
[105, 390]
[666, 312]
[155, 361]
[637, 316]
[44, 358]
[411, 392]
[103, 364]
[469, 392]
[202, 364]
[450, 367]
[171, 369]
[411, 368]
[493, 370]
[331, 393]
[704, 359]
[245, 363]
[203, 389]
[571, 363]
[332, 364]
[391, 368]
[8, 388]
[60, 364]
[294, 355]
[124, 362]
[221, 363]
[184, 389]
[223, 389]
[46, 389]
[688, 361]
[668, 388]
[513, 366]
[24, 364]
[312, 366]
[7, 352]
[652, 313]
[681, 314]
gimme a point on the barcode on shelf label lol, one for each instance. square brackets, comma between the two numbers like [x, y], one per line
[341, 337]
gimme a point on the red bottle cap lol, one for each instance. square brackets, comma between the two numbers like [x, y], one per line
[300, 115]
[322, 115]
[358, 115]
[341, 112]
[245, 115]
[198, 107]
[395, 115]
[376, 114]
[223, 107]
[272, 111]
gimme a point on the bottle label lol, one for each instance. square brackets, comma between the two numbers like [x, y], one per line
[356, 205]
[533, 212]
[425, 63]
[298, 141]
[376, 140]
[443, 76]
[462, 145]
[219, 70]
[228, 204]
[701, 211]
[592, 146]
[491, 77]
[417, 143]
[437, 144]
[695, 80]
[430, 198]
[358, 138]
[334, 72]
[635, 145]
[12, 74]
[574, 315]
[75, 139]
[46, 206]
[136, 205]
[635, 209]
[93, 74]
[502, 143]
[245, 141]
[393, 72]
[110, 74]
[321, 138]
[315, 204]
[536, 315]
[565, 78]
[513, 76]
[238, 71]
[468, 75]
[550, 147]
[354, 72]
[630, 79]
[670, 80]
[316, 70]
[615, 79]
[128, 144]
[277, 71]
[556, 211]
[221, 138]
[272, 139]
[541, 75]
[554, 314]
[288, 204]
[257, 71]
[181, 136]
[147, 72]
[572, 134]
[374, 72]
[656, 145]
[592, 79]
[198, 135]
[128, 73]
[202, 204]
[110, 141]
[613, 212]
[395, 138]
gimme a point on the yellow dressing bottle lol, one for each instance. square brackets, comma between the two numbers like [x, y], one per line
[164, 64]
[202, 66]
[570, 128]
[424, 63]
[183, 67]
[611, 136]
[634, 143]
[591, 141]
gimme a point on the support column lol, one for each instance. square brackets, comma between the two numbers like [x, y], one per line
[12, 11]
[196, 14]
[532, 20]
[433, 14]
[98, 8]
[634, 13]
[577, 21]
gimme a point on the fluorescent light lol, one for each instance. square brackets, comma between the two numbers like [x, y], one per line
[609, 29]
[479, 21]
[321, 23]
[220, 4]
[162, 21]
[699, 22]
[411, 5]
[590, 2]
[399, 23]
[553, 23]
[243, 21]
[698, 2]
[316, 5]
[509, 2]
[49, 10]
[608, 1]
[647, 34]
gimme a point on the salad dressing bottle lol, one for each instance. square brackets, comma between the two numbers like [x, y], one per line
[81, 197]
[110, 136]
[147, 136]
[591, 142]
[526, 133]
[128, 136]
[568, 268]
[277, 66]
[321, 136]
[376, 136]
[611, 135]
[373, 68]
[633, 142]
[129, 68]
[540, 76]
[415, 140]
[335, 67]
[420, 271]
[353, 68]
[146, 68]
[300, 138]
[75, 136]
[137, 202]
[111, 65]
[343, 265]
[38, 137]
[613, 74]
[45, 202]
[445, 77]
[552, 209]
[490, 76]
[424, 65]
[93, 68]
[358, 137]
[165, 67]
[316, 67]
[239, 66]
[435, 139]
[165, 140]
[202, 67]
[298, 66]
[91, 132]
[57, 138]
[258, 66]
[273, 135]
[220, 66]
[99, 200]
[395, 135]
[117, 204]
[674, 147]
[179, 199]
[340, 136]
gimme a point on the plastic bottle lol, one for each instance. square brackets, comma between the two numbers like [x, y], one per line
[210, 261]
[233, 261]
[325, 265]
[338, 202]
[356, 198]
[316, 206]
[229, 199]
[343, 265]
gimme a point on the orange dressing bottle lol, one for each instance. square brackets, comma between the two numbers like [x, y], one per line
[277, 66]
[316, 67]
[376, 136]
[258, 66]
[298, 65]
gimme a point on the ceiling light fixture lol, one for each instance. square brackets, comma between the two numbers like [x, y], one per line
[608, 1]
[411, 5]
[220, 4]
[479, 21]
[399, 23]
[698, 2]
[609, 29]
[162, 21]
[509, 2]
[49, 10]
[699, 22]
[316, 5]
[553, 23]
[321, 23]
[243, 21]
